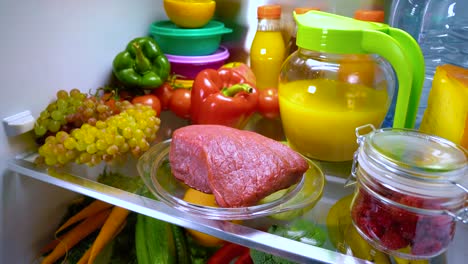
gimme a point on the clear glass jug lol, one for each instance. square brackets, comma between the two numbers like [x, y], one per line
[342, 77]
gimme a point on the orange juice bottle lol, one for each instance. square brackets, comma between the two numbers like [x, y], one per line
[267, 52]
[360, 68]
[370, 15]
[291, 46]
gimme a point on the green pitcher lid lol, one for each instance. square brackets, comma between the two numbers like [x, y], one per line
[327, 32]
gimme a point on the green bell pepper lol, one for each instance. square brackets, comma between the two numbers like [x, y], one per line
[142, 64]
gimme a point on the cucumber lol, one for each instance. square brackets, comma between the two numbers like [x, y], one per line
[159, 241]
[140, 241]
[182, 249]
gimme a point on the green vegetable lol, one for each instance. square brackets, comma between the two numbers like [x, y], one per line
[154, 241]
[140, 241]
[160, 241]
[121, 252]
[199, 254]
[300, 230]
[142, 64]
[122, 182]
[182, 250]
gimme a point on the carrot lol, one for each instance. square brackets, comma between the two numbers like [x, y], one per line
[93, 208]
[75, 235]
[85, 257]
[111, 227]
[51, 245]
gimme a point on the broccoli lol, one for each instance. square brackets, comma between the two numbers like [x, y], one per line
[300, 230]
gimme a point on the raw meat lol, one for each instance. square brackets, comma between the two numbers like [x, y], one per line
[239, 167]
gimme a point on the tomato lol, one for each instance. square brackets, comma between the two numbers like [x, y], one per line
[268, 105]
[164, 93]
[180, 103]
[149, 99]
[126, 95]
[109, 100]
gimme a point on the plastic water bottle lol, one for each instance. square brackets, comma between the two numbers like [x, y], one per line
[407, 15]
[441, 29]
[443, 39]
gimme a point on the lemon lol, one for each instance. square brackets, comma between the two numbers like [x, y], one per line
[346, 238]
[200, 198]
[311, 192]
[190, 14]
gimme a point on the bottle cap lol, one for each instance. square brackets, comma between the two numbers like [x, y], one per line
[302, 10]
[370, 15]
[269, 11]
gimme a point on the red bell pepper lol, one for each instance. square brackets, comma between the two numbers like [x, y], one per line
[229, 252]
[222, 97]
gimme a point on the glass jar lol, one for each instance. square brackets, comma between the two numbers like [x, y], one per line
[410, 191]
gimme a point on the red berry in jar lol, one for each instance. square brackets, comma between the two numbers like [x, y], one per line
[406, 203]
[395, 228]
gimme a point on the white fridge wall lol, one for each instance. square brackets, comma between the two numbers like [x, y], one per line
[45, 46]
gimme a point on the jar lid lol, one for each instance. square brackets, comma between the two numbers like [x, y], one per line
[421, 154]
[417, 164]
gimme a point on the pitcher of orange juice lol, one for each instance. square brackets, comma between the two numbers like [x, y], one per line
[343, 76]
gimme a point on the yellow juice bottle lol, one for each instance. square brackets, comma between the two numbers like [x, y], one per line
[267, 52]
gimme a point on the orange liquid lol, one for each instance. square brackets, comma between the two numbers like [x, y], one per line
[319, 116]
[266, 57]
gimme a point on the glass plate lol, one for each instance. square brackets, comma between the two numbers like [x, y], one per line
[154, 168]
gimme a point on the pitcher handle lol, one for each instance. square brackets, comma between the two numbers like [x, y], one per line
[416, 60]
[394, 51]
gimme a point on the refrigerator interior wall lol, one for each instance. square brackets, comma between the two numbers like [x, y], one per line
[49, 45]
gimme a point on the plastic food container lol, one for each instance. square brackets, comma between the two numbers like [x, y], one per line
[155, 171]
[190, 66]
[188, 41]
[411, 191]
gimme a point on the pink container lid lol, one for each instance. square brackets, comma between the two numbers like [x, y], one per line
[221, 54]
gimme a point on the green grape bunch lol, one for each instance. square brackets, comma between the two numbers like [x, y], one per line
[71, 110]
[130, 131]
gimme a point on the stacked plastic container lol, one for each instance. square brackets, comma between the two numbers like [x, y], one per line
[190, 47]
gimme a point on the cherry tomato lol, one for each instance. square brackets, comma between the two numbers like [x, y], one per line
[109, 100]
[126, 95]
[164, 93]
[180, 103]
[268, 105]
[149, 99]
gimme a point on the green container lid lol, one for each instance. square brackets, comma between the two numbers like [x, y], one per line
[168, 28]
[188, 41]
